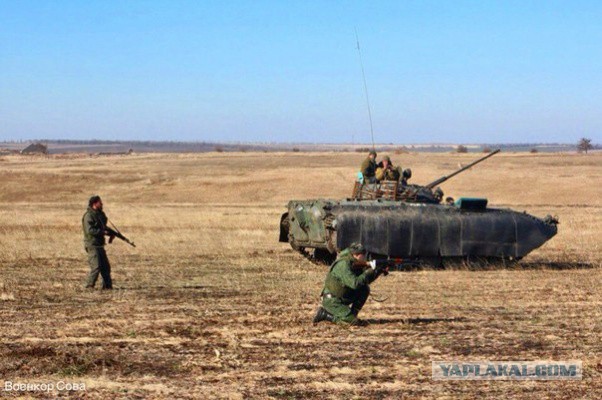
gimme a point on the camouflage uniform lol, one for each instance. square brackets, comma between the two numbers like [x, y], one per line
[94, 223]
[389, 174]
[368, 170]
[346, 289]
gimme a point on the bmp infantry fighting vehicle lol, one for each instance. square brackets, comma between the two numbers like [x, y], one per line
[412, 223]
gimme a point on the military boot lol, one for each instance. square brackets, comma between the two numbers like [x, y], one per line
[323, 315]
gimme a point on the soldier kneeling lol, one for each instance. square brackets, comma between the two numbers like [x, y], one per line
[347, 286]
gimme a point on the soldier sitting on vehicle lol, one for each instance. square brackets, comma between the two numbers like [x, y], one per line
[347, 286]
[368, 168]
[386, 171]
[405, 176]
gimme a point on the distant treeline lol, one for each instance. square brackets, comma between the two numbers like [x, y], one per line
[146, 146]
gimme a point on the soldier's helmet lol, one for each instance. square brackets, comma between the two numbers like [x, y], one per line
[357, 248]
[387, 159]
[372, 152]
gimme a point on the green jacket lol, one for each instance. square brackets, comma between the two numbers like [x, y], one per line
[368, 168]
[93, 224]
[342, 279]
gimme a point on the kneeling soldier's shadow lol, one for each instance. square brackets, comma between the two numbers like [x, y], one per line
[382, 321]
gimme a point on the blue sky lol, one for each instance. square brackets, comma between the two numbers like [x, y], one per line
[437, 71]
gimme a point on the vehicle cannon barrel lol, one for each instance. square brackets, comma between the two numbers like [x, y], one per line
[445, 178]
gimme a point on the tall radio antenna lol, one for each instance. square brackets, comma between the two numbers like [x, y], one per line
[359, 52]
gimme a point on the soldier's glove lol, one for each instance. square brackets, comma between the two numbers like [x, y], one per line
[372, 264]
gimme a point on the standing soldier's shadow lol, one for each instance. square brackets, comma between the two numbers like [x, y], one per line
[383, 321]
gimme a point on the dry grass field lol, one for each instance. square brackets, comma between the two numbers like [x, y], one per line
[210, 305]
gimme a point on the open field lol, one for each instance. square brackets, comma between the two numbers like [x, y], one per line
[210, 305]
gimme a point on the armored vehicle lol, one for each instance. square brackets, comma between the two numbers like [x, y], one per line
[412, 223]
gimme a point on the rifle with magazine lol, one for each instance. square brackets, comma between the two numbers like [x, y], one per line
[115, 233]
[384, 266]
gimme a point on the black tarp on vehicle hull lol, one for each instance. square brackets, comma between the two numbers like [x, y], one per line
[426, 230]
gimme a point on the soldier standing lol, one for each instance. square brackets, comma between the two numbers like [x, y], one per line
[347, 286]
[368, 168]
[94, 223]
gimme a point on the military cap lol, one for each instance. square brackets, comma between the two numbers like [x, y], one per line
[372, 152]
[93, 199]
[387, 159]
[357, 248]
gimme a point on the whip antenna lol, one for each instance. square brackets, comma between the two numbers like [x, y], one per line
[359, 52]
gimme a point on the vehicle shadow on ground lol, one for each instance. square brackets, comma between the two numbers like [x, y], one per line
[493, 266]
[383, 321]
[557, 265]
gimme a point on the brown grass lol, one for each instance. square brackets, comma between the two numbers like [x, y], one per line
[210, 305]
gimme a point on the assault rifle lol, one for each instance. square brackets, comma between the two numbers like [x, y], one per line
[114, 233]
[384, 265]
